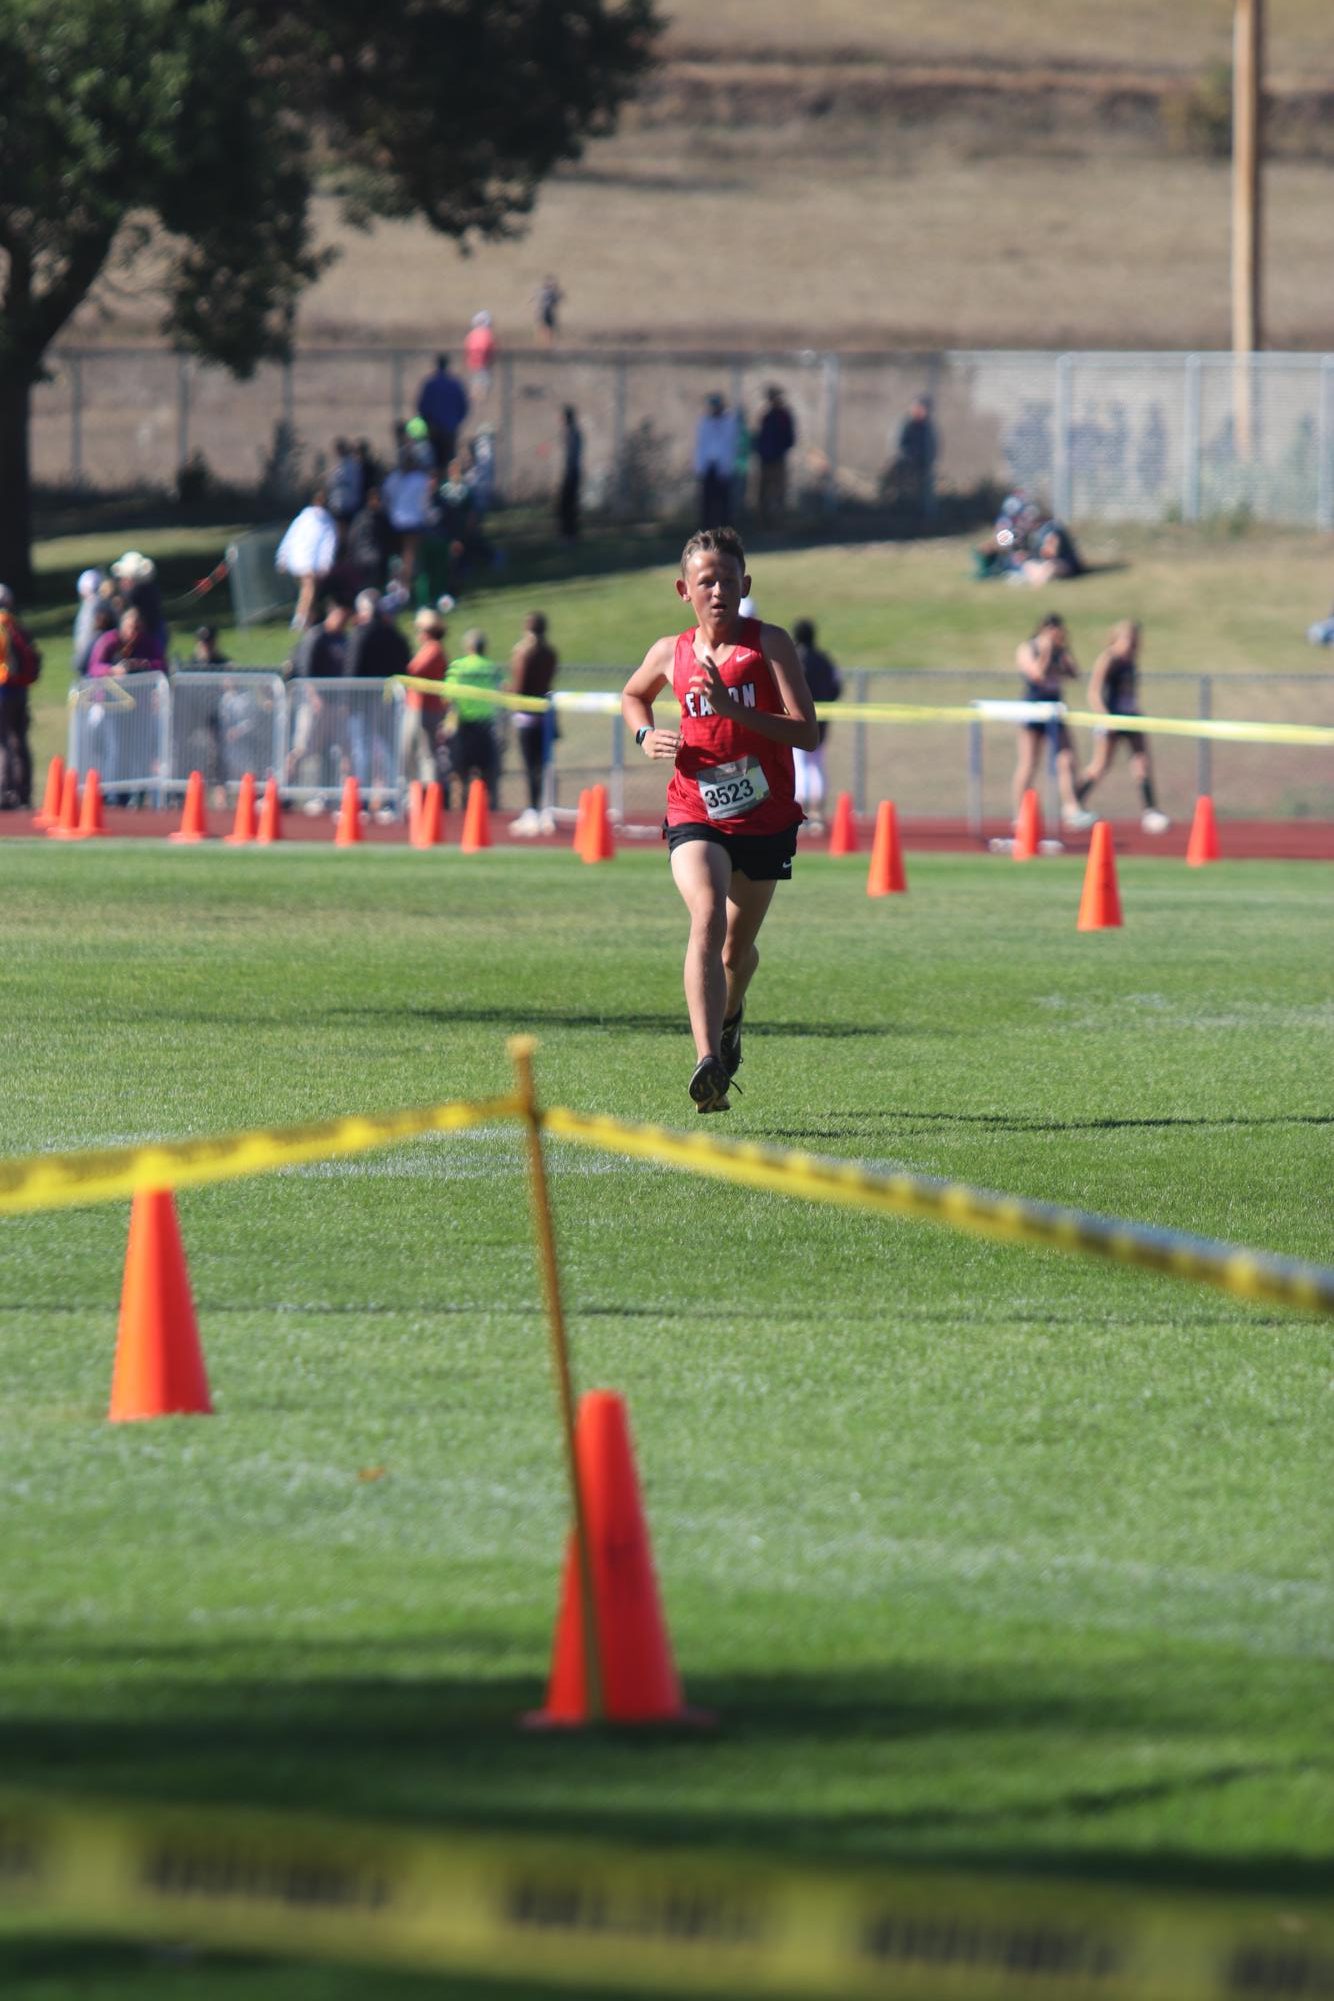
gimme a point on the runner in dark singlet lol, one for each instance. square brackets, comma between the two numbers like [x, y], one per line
[1114, 689]
[1046, 664]
[732, 814]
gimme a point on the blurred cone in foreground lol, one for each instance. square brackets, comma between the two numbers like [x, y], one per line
[91, 819]
[270, 815]
[476, 820]
[192, 827]
[416, 795]
[347, 833]
[159, 1364]
[639, 1680]
[886, 876]
[1100, 904]
[843, 831]
[599, 844]
[1027, 828]
[244, 826]
[581, 821]
[49, 816]
[430, 818]
[1203, 845]
[66, 827]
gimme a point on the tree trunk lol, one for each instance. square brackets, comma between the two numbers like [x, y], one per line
[15, 482]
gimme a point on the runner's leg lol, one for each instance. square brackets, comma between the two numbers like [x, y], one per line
[747, 906]
[702, 871]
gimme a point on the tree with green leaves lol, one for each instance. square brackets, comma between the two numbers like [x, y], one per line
[205, 121]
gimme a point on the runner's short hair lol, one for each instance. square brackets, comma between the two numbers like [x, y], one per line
[714, 541]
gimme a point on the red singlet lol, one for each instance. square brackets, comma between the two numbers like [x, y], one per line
[708, 741]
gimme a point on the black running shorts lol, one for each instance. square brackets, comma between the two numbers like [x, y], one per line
[763, 857]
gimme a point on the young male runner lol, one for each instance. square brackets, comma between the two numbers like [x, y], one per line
[732, 814]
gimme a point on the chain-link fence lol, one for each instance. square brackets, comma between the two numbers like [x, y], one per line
[1096, 436]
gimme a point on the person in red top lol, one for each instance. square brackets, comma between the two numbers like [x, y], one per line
[423, 714]
[732, 812]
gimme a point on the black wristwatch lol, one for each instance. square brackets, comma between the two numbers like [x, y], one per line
[641, 733]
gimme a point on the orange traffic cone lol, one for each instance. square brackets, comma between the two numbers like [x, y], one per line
[416, 794]
[1203, 845]
[1100, 905]
[843, 833]
[886, 876]
[347, 833]
[476, 820]
[430, 818]
[270, 815]
[192, 827]
[244, 828]
[159, 1364]
[1027, 828]
[639, 1679]
[49, 816]
[599, 843]
[581, 820]
[66, 827]
[91, 821]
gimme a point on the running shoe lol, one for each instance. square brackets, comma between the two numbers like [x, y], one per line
[1075, 816]
[729, 1049]
[1154, 822]
[709, 1086]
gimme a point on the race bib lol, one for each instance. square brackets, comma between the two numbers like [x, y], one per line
[732, 789]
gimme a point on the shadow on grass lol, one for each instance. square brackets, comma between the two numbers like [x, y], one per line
[601, 1019]
[784, 1773]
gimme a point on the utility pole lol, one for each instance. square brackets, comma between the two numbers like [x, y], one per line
[1247, 99]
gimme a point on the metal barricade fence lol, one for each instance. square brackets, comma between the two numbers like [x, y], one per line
[224, 724]
[345, 729]
[120, 726]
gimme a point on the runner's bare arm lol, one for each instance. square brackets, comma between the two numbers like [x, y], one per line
[797, 726]
[640, 693]
[1096, 679]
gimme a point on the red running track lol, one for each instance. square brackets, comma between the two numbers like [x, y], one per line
[1241, 840]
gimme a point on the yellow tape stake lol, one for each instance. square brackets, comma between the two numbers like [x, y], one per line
[526, 1909]
[521, 1049]
[1230, 1268]
[69, 1180]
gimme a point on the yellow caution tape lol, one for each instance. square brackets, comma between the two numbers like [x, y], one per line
[1244, 1273]
[982, 711]
[524, 1909]
[445, 691]
[67, 1180]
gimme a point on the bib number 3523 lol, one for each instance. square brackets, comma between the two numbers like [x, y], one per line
[729, 790]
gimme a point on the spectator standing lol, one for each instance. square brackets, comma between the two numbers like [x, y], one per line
[479, 354]
[137, 588]
[370, 544]
[915, 465]
[826, 685]
[533, 665]
[474, 750]
[20, 665]
[716, 438]
[376, 649]
[547, 301]
[346, 486]
[321, 655]
[207, 653]
[406, 495]
[443, 401]
[571, 475]
[307, 554]
[775, 435]
[423, 714]
[86, 627]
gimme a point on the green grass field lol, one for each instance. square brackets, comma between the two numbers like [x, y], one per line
[987, 1557]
